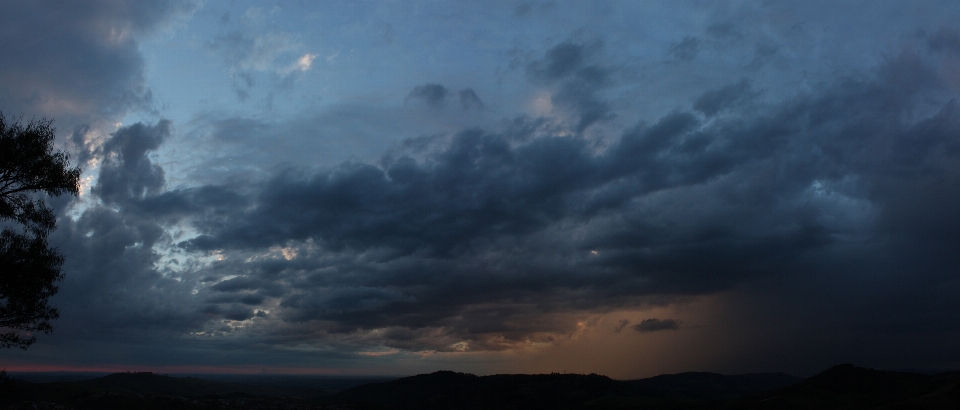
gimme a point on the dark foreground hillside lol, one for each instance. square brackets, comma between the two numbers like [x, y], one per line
[840, 387]
[450, 390]
[850, 387]
[147, 391]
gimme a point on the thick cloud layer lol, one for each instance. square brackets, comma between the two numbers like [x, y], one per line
[77, 61]
[490, 238]
[828, 203]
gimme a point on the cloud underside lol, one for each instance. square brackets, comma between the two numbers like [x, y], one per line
[656, 325]
[497, 237]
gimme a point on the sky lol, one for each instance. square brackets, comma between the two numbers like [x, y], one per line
[626, 188]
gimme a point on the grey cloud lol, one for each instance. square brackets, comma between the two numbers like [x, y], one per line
[764, 51]
[251, 299]
[522, 10]
[501, 235]
[247, 51]
[334, 303]
[126, 172]
[559, 62]
[441, 204]
[680, 206]
[945, 39]
[257, 55]
[569, 65]
[244, 149]
[113, 287]
[713, 101]
[621, 325]
[724, 31]
[527, 9]
[238, 283]
[469, 100]
[686, 49]
[86, 61]
[433, 95]
[656, 325]
[583, 98]
[231, 312]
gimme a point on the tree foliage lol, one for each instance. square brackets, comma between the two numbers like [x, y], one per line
[30, 170]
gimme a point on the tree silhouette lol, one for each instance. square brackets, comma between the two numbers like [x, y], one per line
[30, 170]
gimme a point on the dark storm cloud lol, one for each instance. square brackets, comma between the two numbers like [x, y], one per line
[485, 234]
[501, 235]
[479, 186]
[656, 325]
[114, 286]
[231, 312]
[75, 60]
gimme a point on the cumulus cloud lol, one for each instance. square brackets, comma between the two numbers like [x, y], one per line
[112, 282]
[126, 173]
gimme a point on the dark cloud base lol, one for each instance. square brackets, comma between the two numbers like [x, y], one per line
[495, 237]
[656, 325]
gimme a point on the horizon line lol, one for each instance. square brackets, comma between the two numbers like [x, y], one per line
[188, 369]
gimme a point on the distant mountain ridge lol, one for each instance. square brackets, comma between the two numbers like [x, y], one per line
[849, 387]
[450, 390]
[145, 383]
[132, 388]
[712, 386]
[840, 387]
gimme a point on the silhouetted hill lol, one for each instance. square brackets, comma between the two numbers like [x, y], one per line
[711, 386]
[449, 390]
[155, 384]
[146, 390]
[840, 387]
[850, 387]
